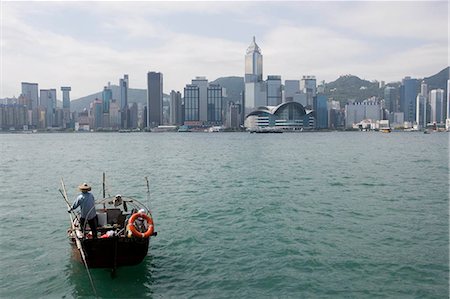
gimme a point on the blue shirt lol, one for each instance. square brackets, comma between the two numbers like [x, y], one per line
[87, 203]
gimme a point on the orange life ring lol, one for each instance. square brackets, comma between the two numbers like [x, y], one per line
[133, 228]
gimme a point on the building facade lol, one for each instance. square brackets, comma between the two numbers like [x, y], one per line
[355, 112]
[274, 90]
[437, 106]
[176, 108]
[408, 94]
[255, 89]
[123, 106]
[154, 99]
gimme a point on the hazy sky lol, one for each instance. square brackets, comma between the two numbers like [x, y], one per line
[87, 44]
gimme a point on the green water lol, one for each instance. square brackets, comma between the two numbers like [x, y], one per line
[307, 215]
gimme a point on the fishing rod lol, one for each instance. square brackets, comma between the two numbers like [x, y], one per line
[77, 240]
[148, 191]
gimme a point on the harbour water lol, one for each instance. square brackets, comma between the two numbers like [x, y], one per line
[302, 215]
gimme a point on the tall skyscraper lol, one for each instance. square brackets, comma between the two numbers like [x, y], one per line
[437, 105]
[175, 108]
[66, 106]
[390, 98]
[47, 101]
[30, 91]
[421, 113]
[202, 84]
[408, 94]
[214, 104]
[124, 84]
[106, 98]
[66, 97]
[203, 102]
[154, 99]
[291, 87]
[191, 103]
[274, 93]
[321, 108]
[308, 85]
[255, 89]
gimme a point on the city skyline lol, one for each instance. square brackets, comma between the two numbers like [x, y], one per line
[50, 43]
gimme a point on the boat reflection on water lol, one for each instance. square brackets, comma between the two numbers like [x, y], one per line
[127, 282]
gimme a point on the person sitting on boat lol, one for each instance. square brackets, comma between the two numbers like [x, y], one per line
[86, 202]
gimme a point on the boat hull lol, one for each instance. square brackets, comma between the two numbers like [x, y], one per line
[112, 252]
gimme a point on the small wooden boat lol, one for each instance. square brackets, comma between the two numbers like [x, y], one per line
[124, 229]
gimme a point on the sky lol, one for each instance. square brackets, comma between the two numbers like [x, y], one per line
[85, 45]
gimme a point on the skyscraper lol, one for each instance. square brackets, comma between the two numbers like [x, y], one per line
[66, 106]
[123, 84]
[203, 102]
[390, 97]
[408, 94]
[175, 108]
[308, 85]
[66, 97]
[274, 93]
[255, 89]
[214, 104]
[437, 105]
[154, 99]
[30, 92]
[47, 101]
[106, 98]
[321, 108]
[291, 87]
[421, 113]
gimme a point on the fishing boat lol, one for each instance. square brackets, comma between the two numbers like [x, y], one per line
[125, 226]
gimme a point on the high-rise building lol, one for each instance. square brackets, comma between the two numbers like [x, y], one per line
[274, 92]
[106, 98]
[154, 99]
[30, 92]
[97, 108]
[66, 96]
[123, 84]
[408, 94]
[214, 104]
[255, 89]
[66, 121]
[47, 101]
[202, 83]
[191, 103]
[291, 87]
[308, 85]
[355, 112]
[421, 113]
[175, 108]
[114, 114]
[390, 98]
[203, 102]
[134, 116]
[321, 108]
[437, 105]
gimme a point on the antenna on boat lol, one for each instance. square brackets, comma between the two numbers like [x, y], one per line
[77, 240]
[104, 186]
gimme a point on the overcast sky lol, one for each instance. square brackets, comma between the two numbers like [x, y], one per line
[85, 45]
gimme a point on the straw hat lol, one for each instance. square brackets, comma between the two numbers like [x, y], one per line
[84, 187]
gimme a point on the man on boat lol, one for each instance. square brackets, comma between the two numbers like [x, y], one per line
[86, 202]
